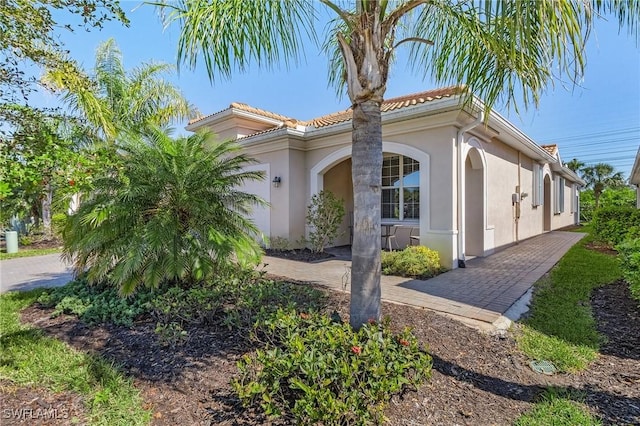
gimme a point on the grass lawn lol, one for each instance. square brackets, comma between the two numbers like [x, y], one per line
[28, 358]
[561, 327]
[558, 409]
[26, 252]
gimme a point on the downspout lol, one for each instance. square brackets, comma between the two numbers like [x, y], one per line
[461, 224]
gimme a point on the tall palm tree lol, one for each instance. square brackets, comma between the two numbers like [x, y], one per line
[113, 99]
[600, 177]
[499, 50]
[171, 213]
[575, 165]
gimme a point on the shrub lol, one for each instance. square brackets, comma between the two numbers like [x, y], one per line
[613, 224]
[58, 222]
[413, 261]
[324, 214]
[324, 372]
[171, 213]
[629, 256]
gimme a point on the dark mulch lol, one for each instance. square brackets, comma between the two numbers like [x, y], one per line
[477, 378]
[301, 255]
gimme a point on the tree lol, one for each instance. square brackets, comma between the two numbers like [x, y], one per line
[496, 50]
[114, 100]
[27, 39]
[40, 157]
[600, 177]
[575, 165]
[170, 213]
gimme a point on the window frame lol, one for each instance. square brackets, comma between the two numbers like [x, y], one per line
[400, 188]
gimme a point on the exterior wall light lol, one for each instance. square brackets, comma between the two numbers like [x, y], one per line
[276, 181]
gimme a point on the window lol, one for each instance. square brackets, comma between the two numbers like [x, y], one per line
[538, 185]
[400, 188]
[558, 205]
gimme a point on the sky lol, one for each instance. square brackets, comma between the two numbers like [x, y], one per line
[597, 121]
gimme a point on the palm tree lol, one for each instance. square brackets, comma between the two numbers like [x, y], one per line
[172, 214]
[497, 50]
[600, 177]
[575, 165]
[113, 100]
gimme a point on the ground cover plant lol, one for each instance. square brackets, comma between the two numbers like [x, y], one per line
[29, 358]
[319, 370]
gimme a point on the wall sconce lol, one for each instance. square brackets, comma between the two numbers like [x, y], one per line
[276, 181]
[524, 195]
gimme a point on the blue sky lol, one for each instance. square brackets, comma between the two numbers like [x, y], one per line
[599, 121]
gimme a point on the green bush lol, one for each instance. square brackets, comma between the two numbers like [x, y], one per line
[324, 372]
[58, 222]
[324, 214]
[629, 255]
[614, 224]
[414, 261]
[171, 213]
[97, 303]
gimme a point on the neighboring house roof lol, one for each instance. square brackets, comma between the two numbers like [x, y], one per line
[551, 149]
[635, 171]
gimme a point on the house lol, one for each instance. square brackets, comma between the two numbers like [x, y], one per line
[467, 185]
[635, 177]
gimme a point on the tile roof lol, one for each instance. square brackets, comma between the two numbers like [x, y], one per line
[388, 105]
[551, 149]
[345, 115]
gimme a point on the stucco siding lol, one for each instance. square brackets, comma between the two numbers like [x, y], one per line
[502, 179]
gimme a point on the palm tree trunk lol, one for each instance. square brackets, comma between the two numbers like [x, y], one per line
[367, 178]
[46, 209]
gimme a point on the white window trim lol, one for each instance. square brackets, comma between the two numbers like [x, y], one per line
[401, 190]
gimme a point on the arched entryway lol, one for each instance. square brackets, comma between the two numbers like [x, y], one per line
[547, 204]
[474, 204]
[407, 194]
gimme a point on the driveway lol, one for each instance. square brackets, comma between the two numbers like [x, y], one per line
[26, 273]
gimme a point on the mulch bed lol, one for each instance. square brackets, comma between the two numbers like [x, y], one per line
[478, 379]
[301, 255]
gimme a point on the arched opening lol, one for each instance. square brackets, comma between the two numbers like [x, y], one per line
[474, 205]
[547, 204]
[338, 180]
[405, 189]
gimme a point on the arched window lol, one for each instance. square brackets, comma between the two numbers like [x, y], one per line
[400, 187]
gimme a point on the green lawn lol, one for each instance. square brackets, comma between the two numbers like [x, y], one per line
[30, 358]
[26, 252]
[561, 329]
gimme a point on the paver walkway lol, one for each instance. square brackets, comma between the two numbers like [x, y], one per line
[481, 292]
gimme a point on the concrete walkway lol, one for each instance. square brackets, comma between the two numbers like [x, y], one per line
[26, 273]
[480, 294]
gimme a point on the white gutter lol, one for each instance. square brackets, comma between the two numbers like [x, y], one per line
[460, 186]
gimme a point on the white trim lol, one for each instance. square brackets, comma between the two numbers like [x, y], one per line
[477, 144]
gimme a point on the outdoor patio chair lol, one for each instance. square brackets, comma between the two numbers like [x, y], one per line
[389, 234]
[414, 237]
